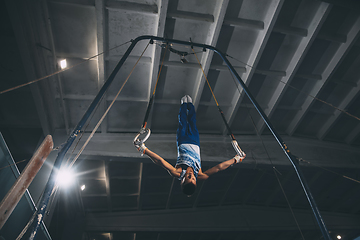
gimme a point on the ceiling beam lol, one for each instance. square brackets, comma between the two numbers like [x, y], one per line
[241, 22]
[271, 72]
[191, 16]
[291, 31]
[212, 38]
[101, 46]
[343, 105]
[108, 98]
[156, 51]
[131, 6]
[353, 135]
[239, 69]
[255, 55]
[288, 108]
[301, 50]
[338, 38]
[335, 61]
[55, 65]
[350, 4]
[26, 40]
[196, 65]
[309, 76]
[321, 112]
[130, 58]
[218, 148]
[218, 219]
[344, 82]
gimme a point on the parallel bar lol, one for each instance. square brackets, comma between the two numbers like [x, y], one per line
[22, 183]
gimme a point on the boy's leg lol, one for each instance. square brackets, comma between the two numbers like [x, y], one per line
[183, 124]
[192, 128]
[187, 131]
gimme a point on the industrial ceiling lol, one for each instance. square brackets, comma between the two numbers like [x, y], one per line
[300, 60]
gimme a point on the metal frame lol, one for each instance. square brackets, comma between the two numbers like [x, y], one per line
[48, 189]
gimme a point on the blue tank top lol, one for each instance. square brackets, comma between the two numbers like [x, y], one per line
[188, 156]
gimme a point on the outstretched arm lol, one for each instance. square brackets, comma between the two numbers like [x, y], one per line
[220, 167]
[159, 160]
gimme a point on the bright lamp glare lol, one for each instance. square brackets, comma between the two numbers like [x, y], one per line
[338, 237]
[63, 64]
[65, 177]
[82, 187]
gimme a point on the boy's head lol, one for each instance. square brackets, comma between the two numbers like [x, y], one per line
[188, 183]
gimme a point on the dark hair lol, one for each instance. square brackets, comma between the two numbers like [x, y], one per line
[188, 188]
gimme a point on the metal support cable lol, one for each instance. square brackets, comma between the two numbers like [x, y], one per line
[217, 104]
[60, 71]
[107, 110]
[153, 94]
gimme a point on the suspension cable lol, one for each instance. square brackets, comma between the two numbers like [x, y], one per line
[107, 110]
[233, 142]
[217, 104]
[153, 94]
[83, 132]
[62, 70]
[326, 169]
[13, 164]
[144, 132]
[276, 172]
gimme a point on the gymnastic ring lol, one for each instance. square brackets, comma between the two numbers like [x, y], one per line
[142, 132]
[237, 148]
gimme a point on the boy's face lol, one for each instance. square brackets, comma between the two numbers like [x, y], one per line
[189, 176]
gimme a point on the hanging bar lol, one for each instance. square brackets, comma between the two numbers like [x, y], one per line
[51, 182]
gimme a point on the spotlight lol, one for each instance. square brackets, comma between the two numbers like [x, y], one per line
[65, 177]
[63, 64]
[82, 187]
[338, 237]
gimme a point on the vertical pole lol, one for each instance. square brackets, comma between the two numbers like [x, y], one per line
[51, 182]
[291, 157]
[18, 189]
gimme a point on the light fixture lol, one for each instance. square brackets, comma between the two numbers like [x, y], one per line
[65, 177]
[338, 237]
[82, 187]
[63, 64]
